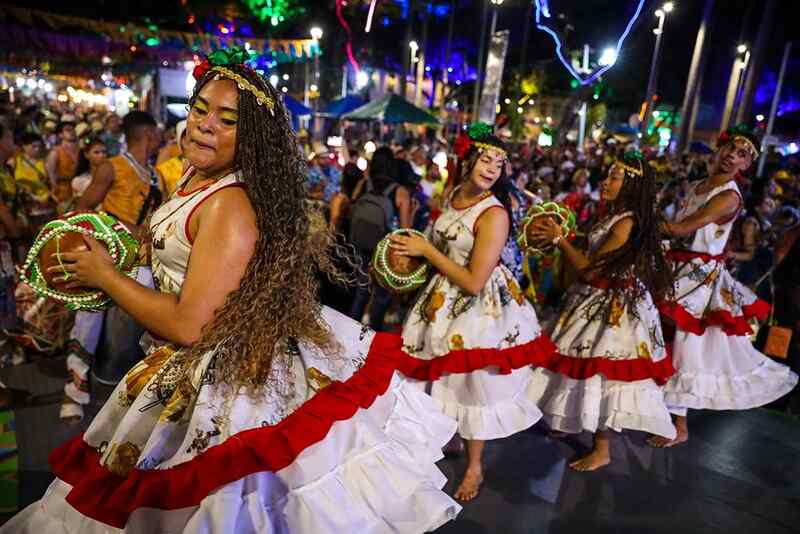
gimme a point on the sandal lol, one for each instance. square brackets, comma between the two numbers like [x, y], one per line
[71, 412]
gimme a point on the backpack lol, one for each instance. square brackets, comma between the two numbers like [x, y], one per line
[371, 218]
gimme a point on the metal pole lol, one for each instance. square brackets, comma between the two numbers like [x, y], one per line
[692, 83]
[773, 110]
[583, 109]
[740, 87]
[693, 116]
[476, 96]
[450, 27]
[344, 80]
[756, 60]
[651, 82]
[730, 96]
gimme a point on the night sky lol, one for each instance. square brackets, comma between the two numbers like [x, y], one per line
[597, 22]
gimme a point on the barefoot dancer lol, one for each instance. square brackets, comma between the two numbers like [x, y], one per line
[717, 366]
[261, 411]
[611, 353]
[475, 303]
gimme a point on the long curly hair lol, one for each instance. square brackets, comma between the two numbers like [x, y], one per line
[642, 256]
[502, 187]
[276, 304]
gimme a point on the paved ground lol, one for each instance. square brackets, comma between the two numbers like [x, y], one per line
[738, 474]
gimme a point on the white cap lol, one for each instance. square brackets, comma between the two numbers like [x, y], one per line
[180, 129]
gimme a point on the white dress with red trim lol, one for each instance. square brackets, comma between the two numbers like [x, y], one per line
[611, 359]
[339, 441]
[478, 349]
[717, 366]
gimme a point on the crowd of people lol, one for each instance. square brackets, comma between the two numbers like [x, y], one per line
[253, 408]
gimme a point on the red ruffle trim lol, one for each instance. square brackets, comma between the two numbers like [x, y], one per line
[540, 352]
[685, 256]
[732, 325]
[110, 499]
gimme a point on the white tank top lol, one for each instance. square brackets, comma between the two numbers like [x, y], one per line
[711, 238]
[169, 227]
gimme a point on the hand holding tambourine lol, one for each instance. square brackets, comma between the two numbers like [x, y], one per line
[399, 269]
[48, 269]
[542, 225]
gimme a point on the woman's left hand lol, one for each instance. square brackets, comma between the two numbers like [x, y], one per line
[410, 245]
[89, 267]
[546, 230]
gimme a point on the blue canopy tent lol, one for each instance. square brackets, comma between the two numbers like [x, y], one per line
[391, 109]
[296, 110]
[339, 107]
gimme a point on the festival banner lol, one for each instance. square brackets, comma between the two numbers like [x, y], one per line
[498, 45]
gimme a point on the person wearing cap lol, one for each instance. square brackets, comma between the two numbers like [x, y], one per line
[127, 186]
[62, 162]
[171, 147]
[171, 170]
[114, 135]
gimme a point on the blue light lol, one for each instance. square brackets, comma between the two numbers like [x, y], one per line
[543, 10]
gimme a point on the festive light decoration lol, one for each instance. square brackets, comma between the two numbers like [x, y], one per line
[372, 5]
[397, 273]
[59, 235]
[349, 46]
[274, 11]
[543, 12]
[562, 215]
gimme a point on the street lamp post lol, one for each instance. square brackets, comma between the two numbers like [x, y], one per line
[413, 47]
[740, 62]
[654, 66]
[316, 35]
[476, 97]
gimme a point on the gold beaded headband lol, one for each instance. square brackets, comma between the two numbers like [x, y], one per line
[750, 145]
[487, 146]
[245, 85]
[631, 169]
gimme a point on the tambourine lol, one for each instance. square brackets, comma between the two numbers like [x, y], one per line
[563, 216]
[395, 272]
[64, 235]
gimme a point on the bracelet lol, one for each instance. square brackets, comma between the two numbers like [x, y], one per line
[557, 240]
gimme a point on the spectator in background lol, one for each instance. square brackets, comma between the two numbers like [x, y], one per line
[93, 155]
[113, 135]
[171, 170]
[384, 206]
[62, 162]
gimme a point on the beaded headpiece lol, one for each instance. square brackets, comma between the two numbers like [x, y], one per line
[632, 162]
[740, 132]
[219, 62]
[476, 135]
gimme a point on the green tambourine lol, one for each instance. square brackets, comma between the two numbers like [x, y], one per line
[396, 273]
[65, 234]
[562, 215]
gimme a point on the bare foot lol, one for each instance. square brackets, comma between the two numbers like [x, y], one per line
[660, 442]
[71, 412]
[594, 460]
[470, 485]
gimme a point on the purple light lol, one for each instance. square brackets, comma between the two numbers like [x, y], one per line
[543, 10]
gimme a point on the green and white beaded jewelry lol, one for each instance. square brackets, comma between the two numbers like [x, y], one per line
[122, 247]
[393, 281]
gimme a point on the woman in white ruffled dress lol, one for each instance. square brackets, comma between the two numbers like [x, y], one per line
[260, 412]
[473, 330]
[717, 366]
[611, 357]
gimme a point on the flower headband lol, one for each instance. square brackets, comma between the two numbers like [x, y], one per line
[219, 62]
[739, 132]
[475, 135]
[629, 159]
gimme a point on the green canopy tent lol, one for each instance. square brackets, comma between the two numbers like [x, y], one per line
[391, 109]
